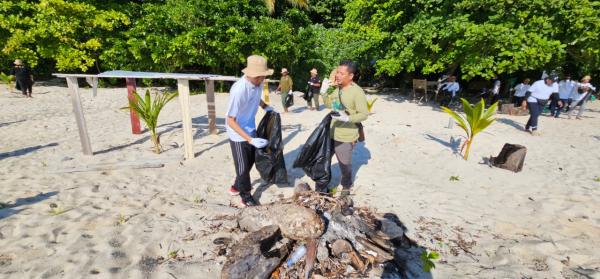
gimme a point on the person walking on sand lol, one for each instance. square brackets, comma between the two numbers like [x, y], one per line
[23, 77]
[314, 86]
[520, 90]
[565, 87]
[581, 93]
[285, 88]
[344, 128]
[536, 98]
[244, 100]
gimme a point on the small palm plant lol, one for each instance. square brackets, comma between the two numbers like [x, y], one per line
[476, 119]
[148, 110]
[8, 79]
[370, 104]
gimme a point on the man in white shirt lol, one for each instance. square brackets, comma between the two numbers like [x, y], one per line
[565, 87]
[244, 100]
[449, 90]
[520, 91]
[581, 93]
[536, 99]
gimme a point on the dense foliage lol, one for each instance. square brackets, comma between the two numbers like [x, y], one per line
[474, 38]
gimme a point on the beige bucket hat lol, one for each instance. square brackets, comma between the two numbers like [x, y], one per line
[313, 71]
[284, 70]
[18, 62]
[257, 67]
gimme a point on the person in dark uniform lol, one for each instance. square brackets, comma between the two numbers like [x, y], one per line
[23, 77]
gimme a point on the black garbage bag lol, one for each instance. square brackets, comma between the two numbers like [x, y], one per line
[269, 160]
[309, 94]
[315, 155]
[289, 100]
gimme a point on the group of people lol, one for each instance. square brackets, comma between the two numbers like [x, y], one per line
[23, 77]
[560, 96]
[565, 95]
[245, 98]
[315, 90]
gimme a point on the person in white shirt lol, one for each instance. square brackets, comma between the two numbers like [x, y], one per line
[536, 99]
[520, 90]
[580, 94]
[565, 87]
[449, 90]
[496, 90]
[244, 100]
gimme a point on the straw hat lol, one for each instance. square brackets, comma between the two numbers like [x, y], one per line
[18, 62]
[313, 71]
[586, 78]
[257, 67]
[284, 70]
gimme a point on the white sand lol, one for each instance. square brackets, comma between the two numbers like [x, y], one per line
[543, 222]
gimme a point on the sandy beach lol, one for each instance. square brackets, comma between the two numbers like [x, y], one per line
[543, 222]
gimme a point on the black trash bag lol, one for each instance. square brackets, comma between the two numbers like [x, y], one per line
[315, 155]
[289, 100]
[309, 94]
[269, 160]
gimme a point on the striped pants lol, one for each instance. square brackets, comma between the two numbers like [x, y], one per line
[243, 158]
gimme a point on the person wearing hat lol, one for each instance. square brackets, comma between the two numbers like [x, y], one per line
[244, 100]
[23, 77]
[536, 98]
[580, 94]
[314, 86]
[285, 87]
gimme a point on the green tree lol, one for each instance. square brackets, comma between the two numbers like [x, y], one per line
[484, 38]
[68, 33]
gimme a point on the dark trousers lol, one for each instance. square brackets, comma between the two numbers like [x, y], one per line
[26, 86]
[447, 98]
[243, 158]
[518, 101]
[495, 98]
[554, 108]
[343, 153]
[535, 109]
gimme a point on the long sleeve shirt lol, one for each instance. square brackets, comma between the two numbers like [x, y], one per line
[580, 90]
[520, 89]
[451, 87]
[565, 88]
[354, 102]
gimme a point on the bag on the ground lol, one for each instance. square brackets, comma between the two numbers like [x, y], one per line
[511, 157]
[315, 155]
[269, 160]
[289, 99]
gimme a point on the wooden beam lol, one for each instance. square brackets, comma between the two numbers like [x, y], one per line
[183, 86]
[135, 120]
[78, 110]
[210, 101]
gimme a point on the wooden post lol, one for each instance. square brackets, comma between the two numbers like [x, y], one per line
[78, 110]
[210, 100]
[183, 86]
[135, 120]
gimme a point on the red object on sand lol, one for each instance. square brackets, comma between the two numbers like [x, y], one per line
[135, 120]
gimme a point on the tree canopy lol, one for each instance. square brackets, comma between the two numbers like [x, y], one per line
[476, 38]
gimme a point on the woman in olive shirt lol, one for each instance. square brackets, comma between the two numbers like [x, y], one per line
[285, 87]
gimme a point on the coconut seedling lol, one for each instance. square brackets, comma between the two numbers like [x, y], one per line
[148, 110]
[8, 80]
[370, 104]
[475, 120]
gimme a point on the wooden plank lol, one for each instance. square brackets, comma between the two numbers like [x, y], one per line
[183, 86]
[78, 110]
[210, 100]
[135, 120]
[114, 166]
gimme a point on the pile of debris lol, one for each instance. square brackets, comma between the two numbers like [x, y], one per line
[312, 235]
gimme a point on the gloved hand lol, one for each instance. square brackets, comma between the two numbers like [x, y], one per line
[259, 143]
[269, 108]
[342, 117]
